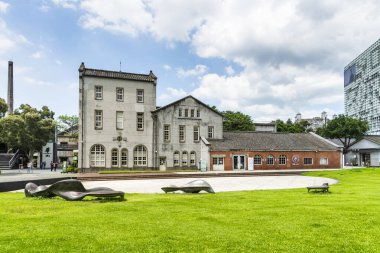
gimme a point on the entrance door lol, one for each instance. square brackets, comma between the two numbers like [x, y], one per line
[239, 162]
[218, 163]
[163, 163]
[366, 159]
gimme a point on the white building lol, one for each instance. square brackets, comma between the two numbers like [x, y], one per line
[315, 122]
[362, 87]
[120, 126]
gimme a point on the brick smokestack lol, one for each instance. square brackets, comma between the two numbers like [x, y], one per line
[10, 87]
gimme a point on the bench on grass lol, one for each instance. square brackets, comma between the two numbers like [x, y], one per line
[323, 188]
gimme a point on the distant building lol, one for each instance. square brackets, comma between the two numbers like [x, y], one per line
[266, 127]
[315, 122]
[362, 87]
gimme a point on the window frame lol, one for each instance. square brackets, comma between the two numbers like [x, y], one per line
[182, 133]
[282, 160]
[166, 133]
[96, 119]
[257, 158]
[118, 127]
[119, 94]
[114, 158]
[210, 132]
[124, 157]
[270, 158]
[305, 159]
[96, 92]
[196, 133]
[143, 162]
[324, 158]
[140, 97]
[193, 157]
[98, 156]
[185, 159]
[140, 116]
[176, 158]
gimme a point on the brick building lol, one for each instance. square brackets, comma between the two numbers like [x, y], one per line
[269, 151]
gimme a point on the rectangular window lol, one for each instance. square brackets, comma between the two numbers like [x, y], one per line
[186, 113]
[308, 161]
[196, 133]
[140, 121]
[98, 92]
[120, 94]
[215, 160]
[98, 119]
[166, 133]
[198, 113]
[210, 132]
[179, 112]
[192, 113]
[140, 96]
[182, 133]
[323, 161]
[119, 120]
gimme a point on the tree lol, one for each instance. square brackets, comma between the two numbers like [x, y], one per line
[237, 121]
[3, 107]
[67, 123]
[344, 128]
[27, 129]
[290, 127]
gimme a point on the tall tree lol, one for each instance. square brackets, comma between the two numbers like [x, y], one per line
[344, 128]
[67, 123]
[290, 127]
[3, 107]
[237, 121]
[27, 129]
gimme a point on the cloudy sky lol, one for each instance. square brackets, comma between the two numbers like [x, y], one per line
[267, 58]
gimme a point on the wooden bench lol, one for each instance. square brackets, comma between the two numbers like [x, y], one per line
[323, 188]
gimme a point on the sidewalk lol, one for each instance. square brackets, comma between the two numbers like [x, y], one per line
[37, 174]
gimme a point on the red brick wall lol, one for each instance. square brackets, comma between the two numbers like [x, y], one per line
[332, 156]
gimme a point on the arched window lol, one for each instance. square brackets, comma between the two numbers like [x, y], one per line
[270, 160]
[184, 158]
[282, 160]
[176, 158]
[140, 156]
[114, 157]
[192, 158]
[257, 159]
[124, 157]
[98, 156]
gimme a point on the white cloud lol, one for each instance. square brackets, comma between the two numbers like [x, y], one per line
[292, 53]
[67, 4]
[3, 7]
[229, 70]
[8, 39]
[38, 55]
[198, 70]
[36, 82]
[58, 62]
[173, 93]
[44, 8]
[166, 67]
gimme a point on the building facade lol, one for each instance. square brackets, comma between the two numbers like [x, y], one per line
[315, 122]
[362, 87]
[115, 121]
[273, 151]
[365, 152]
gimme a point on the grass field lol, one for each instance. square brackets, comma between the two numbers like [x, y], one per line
[346, 220]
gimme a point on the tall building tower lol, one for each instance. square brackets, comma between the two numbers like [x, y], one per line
[10, 87]
[362, 88]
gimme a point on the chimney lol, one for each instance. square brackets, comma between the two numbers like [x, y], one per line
[10, 87]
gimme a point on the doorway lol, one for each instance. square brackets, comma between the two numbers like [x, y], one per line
[239, 162]
[366, 159]
[163, 163]
[218, 163]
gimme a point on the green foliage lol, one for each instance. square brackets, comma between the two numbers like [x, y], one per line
[345, 129]
[3, 107]
[237, 121]
[67, 123]
[27, 129]
[290, 127]
[346, 220]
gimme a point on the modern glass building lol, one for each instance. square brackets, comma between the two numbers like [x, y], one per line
[362, 87]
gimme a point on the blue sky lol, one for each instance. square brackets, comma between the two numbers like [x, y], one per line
[269, 59]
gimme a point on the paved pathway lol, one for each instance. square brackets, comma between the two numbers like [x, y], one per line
[219, 184]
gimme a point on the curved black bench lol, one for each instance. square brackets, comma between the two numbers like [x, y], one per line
[69, 189]
[192, 187]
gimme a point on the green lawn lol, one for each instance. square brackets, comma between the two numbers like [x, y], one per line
[346, 220]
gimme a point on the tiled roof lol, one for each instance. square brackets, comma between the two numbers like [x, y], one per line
[83, 71]
[373, 138]
[271, 141]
